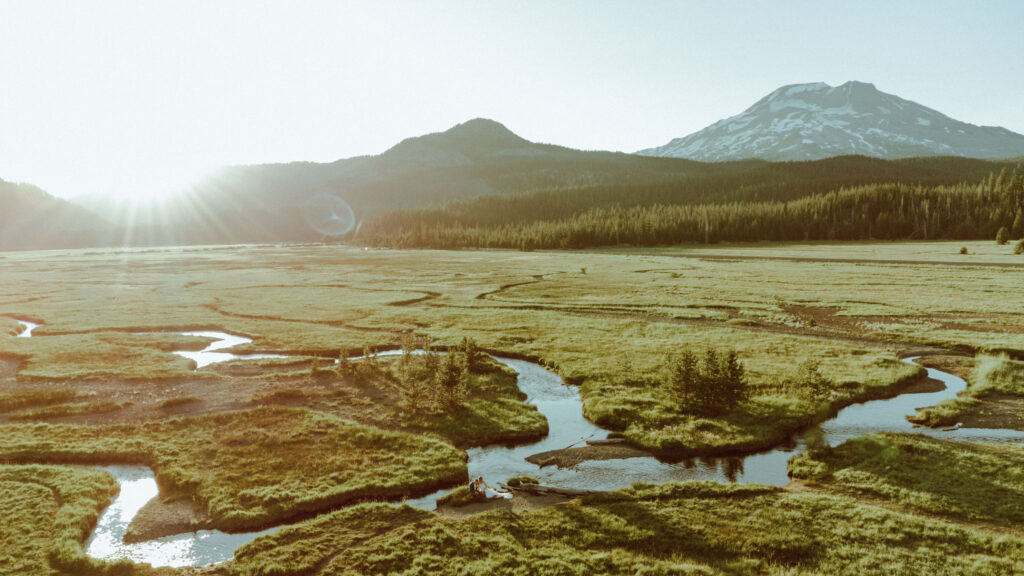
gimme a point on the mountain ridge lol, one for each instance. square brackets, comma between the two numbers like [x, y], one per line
[480, 158]
[31, 218]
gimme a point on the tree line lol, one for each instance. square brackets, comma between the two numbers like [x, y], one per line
[561, 220]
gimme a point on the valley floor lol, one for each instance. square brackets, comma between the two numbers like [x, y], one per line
[97, 382]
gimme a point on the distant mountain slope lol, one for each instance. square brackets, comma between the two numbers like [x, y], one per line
[265, 203]
[32, 219]
[812, 121]
[477, 159]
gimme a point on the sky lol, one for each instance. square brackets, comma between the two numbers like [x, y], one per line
[136, 98]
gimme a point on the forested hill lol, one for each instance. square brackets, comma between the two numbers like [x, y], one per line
[482, 158]
[849, 198]
[32, 219]
[479, 184]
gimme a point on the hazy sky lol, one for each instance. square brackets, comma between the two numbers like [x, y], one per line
[137, 97]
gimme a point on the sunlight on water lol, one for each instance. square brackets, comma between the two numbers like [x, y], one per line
[209, 355]
[138, 486]
[29, 327]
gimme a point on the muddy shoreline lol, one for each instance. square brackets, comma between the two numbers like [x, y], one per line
[159, 518]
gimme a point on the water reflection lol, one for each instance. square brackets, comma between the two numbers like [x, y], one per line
[138, 486]
[223, 341]
[29, 327]
[562, 406]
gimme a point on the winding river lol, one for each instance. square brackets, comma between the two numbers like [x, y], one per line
[562, 407]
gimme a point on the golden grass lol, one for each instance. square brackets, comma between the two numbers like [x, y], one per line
[70, 409]
[694, 528]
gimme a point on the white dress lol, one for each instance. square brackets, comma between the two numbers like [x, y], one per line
[491, 494]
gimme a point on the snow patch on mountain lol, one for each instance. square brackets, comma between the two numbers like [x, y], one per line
[812, 121]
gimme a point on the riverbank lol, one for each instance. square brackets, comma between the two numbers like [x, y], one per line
[994, 397]
[697, 527]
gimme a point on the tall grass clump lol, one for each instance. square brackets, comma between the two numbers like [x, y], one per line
[255, 467]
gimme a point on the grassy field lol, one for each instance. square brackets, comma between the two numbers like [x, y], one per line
[267, 441]
[696, 528]
[253, 468]
[954, 479]
[607, 321]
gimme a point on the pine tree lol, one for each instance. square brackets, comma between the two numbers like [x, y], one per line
[734, 381]
[812, 383]
[683, 377]
[451, 384]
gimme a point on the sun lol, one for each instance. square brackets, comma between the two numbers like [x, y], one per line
[145, 184]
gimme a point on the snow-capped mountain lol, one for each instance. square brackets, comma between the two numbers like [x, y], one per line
[812, 121]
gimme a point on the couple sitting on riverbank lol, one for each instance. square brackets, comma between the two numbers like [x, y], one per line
[479, 489]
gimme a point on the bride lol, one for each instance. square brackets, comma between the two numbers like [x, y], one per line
[489, 492]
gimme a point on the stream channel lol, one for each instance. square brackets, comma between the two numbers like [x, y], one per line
[562, 407]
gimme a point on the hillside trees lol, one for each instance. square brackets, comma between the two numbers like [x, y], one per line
[581, 218]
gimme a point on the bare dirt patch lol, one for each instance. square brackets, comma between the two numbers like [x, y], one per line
[9, 368]
[954, 364]
[569, 457]
[158, 519]
[997, 411]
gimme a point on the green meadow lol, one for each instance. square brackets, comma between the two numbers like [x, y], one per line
[606, 321]
[48, 513]
[693, 528]
[814, 327]
[249, 469]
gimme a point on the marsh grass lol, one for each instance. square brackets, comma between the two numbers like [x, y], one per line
[69, 409]
[651, 416]
[694, 528]
[253, 468]
[495, 412]
[458, 497]
[955, 479]
[47, 513]
[21, 399]
[177, 401]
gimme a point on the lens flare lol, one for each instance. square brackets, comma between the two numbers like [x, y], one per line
[329, 215]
